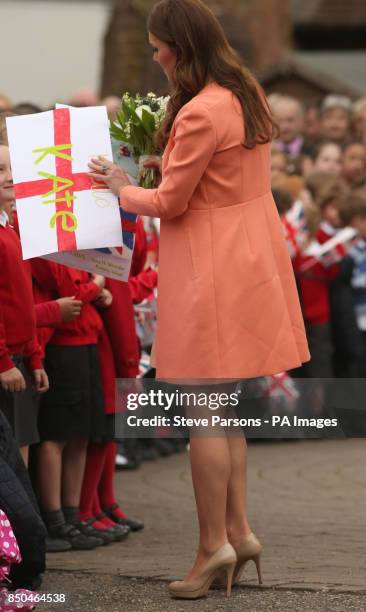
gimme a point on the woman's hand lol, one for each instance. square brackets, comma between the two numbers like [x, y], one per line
[154, 162]
[110, 174]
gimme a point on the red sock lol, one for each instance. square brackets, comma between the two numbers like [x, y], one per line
[106, 483]
[118, 513]
[97, 510]
[93, 470]
[107, 522]
[99, 525]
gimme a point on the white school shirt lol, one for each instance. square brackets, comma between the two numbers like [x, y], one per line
[4, 219]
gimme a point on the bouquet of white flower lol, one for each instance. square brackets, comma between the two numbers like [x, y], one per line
[136, 125]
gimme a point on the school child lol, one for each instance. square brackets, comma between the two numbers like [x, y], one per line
[98, 506]
[119, 357]
[21, 370]
[332, 197]
[71, 413]
[313, 279]
[49, 313]
[354, 215]
[327, 157]
[354, 162]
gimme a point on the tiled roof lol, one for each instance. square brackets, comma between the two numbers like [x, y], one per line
[329, 12]
[340, 73]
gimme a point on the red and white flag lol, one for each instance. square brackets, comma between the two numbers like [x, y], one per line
[60, 208]
[332, 251]
[296, 231]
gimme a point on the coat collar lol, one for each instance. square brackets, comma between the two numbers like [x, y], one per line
[169, 144]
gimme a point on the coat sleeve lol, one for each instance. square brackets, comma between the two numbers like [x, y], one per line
[194, 144]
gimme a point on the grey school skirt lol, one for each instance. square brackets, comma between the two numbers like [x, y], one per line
[21, 409]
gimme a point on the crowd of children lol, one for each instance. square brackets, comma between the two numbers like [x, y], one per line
[65, 335]
[319, 184]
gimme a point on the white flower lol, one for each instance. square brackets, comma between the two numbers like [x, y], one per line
[128, 131]
[126, 97]
[139, 110]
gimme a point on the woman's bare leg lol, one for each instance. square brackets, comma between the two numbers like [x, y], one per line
[236, 510]
[210, 464]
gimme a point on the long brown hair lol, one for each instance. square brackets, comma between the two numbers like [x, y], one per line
[191, 29]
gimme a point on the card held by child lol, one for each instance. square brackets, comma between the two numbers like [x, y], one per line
[60, 208]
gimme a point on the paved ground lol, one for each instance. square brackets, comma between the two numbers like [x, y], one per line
[307, 504]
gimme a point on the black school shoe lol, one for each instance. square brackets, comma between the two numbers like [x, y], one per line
[87, 529]
[133, 524]
[71, 534]
[119, 532]
[57, 545]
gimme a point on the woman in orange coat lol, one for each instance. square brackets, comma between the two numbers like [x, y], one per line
[219, 224]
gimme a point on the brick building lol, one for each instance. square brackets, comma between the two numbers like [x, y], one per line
[302, 47]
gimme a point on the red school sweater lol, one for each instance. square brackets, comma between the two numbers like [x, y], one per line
[17, 317]
[314, 289]
[119, 318]
[48, 314]
[62, 281]
[47, 310]
[142, 281]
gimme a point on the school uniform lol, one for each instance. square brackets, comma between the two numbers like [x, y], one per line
[119, 318]
[313, 285]
[142, 285]
[348, 347]
[47, 310]
[18, 342]
[73, 407]
[48, 316]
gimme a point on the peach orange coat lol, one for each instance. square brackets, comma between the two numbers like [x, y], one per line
[227, 301]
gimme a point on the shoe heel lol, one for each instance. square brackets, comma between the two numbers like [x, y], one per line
[257, 561]
[229, 578]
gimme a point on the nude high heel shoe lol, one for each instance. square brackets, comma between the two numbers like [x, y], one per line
[249, 549]
[222, 561]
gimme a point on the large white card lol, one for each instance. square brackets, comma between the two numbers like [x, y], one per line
[60, 208]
